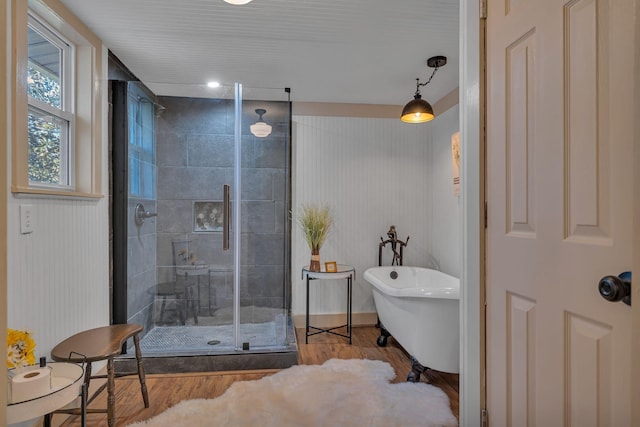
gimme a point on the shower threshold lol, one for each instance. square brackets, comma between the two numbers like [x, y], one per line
[172, 349]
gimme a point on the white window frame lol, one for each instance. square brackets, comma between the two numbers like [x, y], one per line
[66, 111]
[86, 101]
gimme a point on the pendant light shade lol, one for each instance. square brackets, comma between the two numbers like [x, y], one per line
[238, 1]
[260, 129]
[418, 110]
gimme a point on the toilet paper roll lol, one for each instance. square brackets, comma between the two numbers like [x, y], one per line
[30, 384]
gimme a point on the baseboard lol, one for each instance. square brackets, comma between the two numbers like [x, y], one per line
[334, 319]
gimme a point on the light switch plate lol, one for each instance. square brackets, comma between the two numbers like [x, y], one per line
[26, 219]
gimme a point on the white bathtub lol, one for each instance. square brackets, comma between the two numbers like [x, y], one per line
[419, 308]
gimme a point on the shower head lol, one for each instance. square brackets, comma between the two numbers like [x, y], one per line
[159, 109]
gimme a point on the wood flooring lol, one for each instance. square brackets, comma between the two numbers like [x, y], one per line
[165, 390]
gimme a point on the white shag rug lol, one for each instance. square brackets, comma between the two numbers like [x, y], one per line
[345, 393]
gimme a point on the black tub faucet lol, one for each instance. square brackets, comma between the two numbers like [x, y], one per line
[393, 240]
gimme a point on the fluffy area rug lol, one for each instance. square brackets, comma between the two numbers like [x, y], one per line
[345, 393]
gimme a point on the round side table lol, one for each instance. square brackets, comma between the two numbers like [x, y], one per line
[343, 272]
[66, 386]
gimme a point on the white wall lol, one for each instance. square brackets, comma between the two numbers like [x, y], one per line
[58, 276]
[444, 224]
[373, 173]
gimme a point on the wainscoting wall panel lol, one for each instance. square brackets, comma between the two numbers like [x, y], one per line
[59, 273]
[373, 173]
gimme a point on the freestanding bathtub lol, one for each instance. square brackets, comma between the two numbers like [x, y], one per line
[419, 308]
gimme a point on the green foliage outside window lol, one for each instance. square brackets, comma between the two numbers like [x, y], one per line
[44, 131]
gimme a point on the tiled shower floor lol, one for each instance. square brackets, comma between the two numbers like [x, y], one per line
[206, 339]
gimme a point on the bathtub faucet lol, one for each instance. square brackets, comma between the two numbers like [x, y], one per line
[393, 240]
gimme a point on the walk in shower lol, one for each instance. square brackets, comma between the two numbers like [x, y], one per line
[202, 187]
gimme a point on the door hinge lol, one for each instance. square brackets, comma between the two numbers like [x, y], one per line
[484, 417]
[483, 9]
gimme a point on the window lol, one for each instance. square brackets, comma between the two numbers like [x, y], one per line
[142, 172]
[50, 116]
[58, 102]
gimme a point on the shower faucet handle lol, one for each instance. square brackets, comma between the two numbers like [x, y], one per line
[141, 214]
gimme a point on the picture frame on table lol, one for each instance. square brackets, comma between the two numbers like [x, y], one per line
[331, 267]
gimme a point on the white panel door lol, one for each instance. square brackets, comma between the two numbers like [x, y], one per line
[560, 117]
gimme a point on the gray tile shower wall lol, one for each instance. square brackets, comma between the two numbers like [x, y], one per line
[195, 145]
[141, 264]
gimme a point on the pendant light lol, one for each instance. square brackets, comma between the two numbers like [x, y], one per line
[418, 110]
[260, 128]
[237, 2]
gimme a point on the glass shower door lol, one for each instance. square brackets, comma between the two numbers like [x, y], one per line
[263, 267]
[196, 163]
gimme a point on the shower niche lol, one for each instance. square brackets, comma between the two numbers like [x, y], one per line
[205, 266]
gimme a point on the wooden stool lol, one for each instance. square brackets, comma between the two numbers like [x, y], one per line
[183, 294]
[99, 344]
[169, 290]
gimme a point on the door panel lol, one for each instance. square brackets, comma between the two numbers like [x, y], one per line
[520, 145]
[587, 173]
[588, 350]
[521, 357]
[559, 184]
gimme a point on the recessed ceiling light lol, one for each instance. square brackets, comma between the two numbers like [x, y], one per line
[237, 1]
[213, 85]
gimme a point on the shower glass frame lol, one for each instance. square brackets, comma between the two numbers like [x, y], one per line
[243, 246]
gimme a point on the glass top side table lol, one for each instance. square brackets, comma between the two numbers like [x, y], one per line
[66, 386]
[343, 272]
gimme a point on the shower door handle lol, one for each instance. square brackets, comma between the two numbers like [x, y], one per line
[226, 218]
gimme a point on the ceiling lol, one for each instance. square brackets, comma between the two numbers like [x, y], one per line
[344, 51]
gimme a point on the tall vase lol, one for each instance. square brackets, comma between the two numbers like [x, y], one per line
[315, 260]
